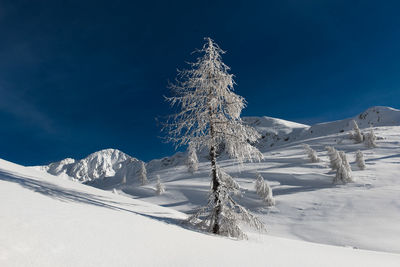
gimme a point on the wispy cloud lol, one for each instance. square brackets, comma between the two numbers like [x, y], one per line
[17, 105]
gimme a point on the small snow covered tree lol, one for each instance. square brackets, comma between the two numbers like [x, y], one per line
[345, 162]
[339, 162]
[192, 160]
[334, 157]
[357, 135]
[360, 160]
[311, 153]
[264, 191]
[209, 116]
[160, 188]
[143, 174]
[370, 139]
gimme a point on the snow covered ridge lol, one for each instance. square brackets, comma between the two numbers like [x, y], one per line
[273, 125]
[372, 117]
[277, 132]
[99, 165]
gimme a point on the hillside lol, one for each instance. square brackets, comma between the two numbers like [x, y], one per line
[292, 132]
[49, 221]
[364, 214]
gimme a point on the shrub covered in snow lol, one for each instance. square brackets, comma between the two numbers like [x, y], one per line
[143, 174]
[343, 173]
[356, 135]
[311, 153]
[339, 162]
[192, 160]
[264, 191]
[334, 157]
[370, 139]
[160, 188]
[360, 160]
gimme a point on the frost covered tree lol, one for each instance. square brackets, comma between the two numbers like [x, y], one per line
[143, 174]
[339, 163]
[264, 191]
[370, 139]
[311, 153]
[360, 160]
[208, 116]
[343, 173]
[192, 160]
[345, 162]
[334, 157]
[357, 135]
[160, 188]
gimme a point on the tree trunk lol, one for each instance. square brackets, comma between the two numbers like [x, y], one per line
[213, 157]
[215, 185]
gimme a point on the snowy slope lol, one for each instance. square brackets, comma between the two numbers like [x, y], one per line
[45, 221]
[364, 214]
[374, 116]
[268, 125]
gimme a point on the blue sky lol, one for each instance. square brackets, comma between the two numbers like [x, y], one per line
[79, 76]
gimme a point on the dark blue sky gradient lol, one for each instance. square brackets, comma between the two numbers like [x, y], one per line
[79, 76]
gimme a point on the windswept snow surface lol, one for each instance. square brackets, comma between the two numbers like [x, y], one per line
[49, 221]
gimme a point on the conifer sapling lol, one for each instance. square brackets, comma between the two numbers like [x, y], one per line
[311, 153]
[264, 191]
[339, 162]
[357, 135]
[143, 174]
[192, 160]
[160, 188]
[360, 160]
[370, 139]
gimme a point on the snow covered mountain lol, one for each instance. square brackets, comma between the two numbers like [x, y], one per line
[107, 163]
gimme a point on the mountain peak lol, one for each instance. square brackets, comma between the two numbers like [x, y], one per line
[98, 165]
